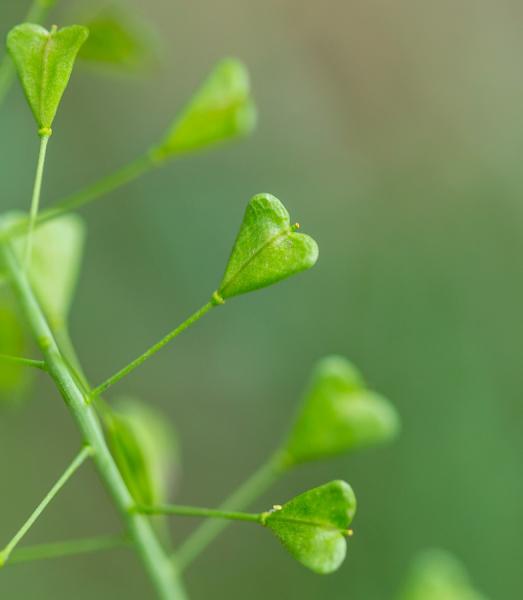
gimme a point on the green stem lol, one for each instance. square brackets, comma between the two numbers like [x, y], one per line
[259, 482]
[67, 474]
[88, 194]
[194, 511]
[66, 346]
[65, 343]
[35, 14]
[35, 200]
[161, 570]
[100, 188]
[28, 362]
[152, 350]
[92, 192]
[67, 548]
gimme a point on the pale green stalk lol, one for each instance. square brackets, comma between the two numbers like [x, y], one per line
[152, 350]
[160, 568]
[68, 473]
[67, 548]
[258, 483]
[27, 362]
[194, 511]
[35, 200]
[100, 188]
[92, 192]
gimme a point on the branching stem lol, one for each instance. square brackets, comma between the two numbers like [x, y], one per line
[67, 548]
[89, 194]
[100, 188]
[161, 570]
[258, 483]
[64, 478]
[28, 362]
[194, 511]
[152, 350]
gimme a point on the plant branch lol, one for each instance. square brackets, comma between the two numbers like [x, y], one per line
[67, 548]
[92, 192]
[259, 482]
[194, 511]
[64, 478]
[260, 518]
[89, 194]
[161, 570]
[28, 362]
[100, 188]
[35, 200]
[152, 350]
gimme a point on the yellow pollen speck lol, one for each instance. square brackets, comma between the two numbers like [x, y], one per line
[350, 532]
[277, 507]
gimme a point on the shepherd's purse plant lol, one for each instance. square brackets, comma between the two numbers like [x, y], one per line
[130, 442]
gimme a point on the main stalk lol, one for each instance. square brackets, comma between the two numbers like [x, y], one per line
[161, 570]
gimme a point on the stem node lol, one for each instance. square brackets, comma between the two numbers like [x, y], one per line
[45, 132]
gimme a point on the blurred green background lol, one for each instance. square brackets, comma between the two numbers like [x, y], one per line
[394, 133]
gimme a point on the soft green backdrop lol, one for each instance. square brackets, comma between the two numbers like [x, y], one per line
[394, 134]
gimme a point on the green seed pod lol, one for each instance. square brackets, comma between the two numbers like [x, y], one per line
[44, 61]
[116, 40]
[145, 448]
[267, 249]
[57, 250]
[438, 575]
[222, 109]
[14, 378]
[339, 414]
[314, 526]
